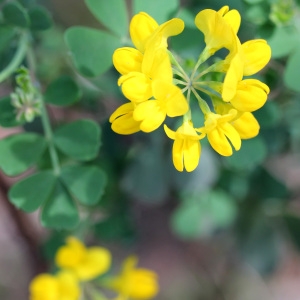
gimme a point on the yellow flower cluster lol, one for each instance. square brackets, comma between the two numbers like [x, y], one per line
[151, 77]
[79, 264]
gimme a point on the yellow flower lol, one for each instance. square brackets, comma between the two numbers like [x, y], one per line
[251, 94]
[246, 125]
[169, 101]
[220, 133]
[137, 86]
[122, 120]
[256, 54]
[86, 263]
[62, 286]
[186, 147]
[219, 28]
[145, 31]
[134, 283]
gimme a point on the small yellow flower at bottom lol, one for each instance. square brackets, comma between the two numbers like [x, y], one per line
[186, 147]
[85, 263]
[62, 286]
[134, 283]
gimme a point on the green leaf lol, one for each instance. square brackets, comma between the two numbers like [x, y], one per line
[60, 211]
[85, 183]
[283, 41]
[252, 153]
[8, 116]
[161, 11]
[292, 222]
[31, 192]
[200, 216]
[91, 49]
[14, 13]
[62, 92]
[257, 14]
[291, 71]
[79, 139]
[6, 35]
[40, 18]
[19, 152]
[112, 14]
[253, 1]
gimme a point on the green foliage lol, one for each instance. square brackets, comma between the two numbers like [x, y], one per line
[252, 153]
[16, 152]
[91, 49]
[112, 14]
[160, 11]
[202, 215]
[8, 114]
[292, 71]
[60, 210]
[15, 14]
[6, 34]
[86, 183]
[79, 139]
[31, 192]
[63, 91]
[40, 18]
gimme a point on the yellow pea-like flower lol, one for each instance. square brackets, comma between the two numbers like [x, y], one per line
[186, 147]
[127, 60]
[256, 55]
[219, 28]
[145, 31]
[63, 285]
[85, 263]
[122, 120]
[251, 94]
[134, 283]
[220, 132]
[169, 101]
[246, 125]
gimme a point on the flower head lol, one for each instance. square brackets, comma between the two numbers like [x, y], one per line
[62, 286]
[85, 263]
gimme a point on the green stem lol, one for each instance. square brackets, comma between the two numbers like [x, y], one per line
[203, 105]
[175, 63]
[216, 67]
[17, 59]
[202, 58]
[44, 116]
[49, 137]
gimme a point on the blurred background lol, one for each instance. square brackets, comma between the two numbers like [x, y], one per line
[230, 230]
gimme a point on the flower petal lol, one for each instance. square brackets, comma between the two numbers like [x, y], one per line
[247, 126]
[141, 27]
[257, 54]
[191, 154]
[127, 60]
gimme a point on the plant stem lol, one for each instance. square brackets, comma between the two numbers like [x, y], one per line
[17, 59]
[49, 138]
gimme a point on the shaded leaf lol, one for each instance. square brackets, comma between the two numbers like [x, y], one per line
[40, 18]
[6, 35]
[85, 183]
[112, 14]
[63, 91]
[8, 116]
[201, 215]
[291, 71]
[19, 152]
[252, 153]
[31, 192]
[59, 211]
[91, 49]
[157, 9]
[79, 139]
[14, 13]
